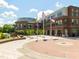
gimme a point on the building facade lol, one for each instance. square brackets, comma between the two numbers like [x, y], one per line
[26, 23]
[66, 22]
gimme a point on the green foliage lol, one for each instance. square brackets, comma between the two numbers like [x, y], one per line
[25, 32]
[39, 32]
[7, 28]
[20, 32]
[1, 29]
[30, 32]
[4, 35]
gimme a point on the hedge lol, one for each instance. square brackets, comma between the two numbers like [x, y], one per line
[30, 32]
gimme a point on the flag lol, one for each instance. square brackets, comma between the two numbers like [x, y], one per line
[51, 19]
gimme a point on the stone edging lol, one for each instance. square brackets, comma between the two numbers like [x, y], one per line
[9, 40]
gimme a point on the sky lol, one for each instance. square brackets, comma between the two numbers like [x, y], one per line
[11, 10]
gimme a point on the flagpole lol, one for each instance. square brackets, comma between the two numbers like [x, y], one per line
[46, 26]
[43, 26]
[50, 27]
[37, 30]
[43, 18]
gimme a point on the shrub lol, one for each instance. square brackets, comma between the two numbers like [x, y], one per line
[8, 28]
[29, 32]
[21, 32]
[2, 36]
[6, 35]
[40, 32]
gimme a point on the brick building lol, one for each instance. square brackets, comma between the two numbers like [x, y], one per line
[66, 22]
[26, 23]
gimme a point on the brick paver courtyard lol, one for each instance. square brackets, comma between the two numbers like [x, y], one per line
[63, 47]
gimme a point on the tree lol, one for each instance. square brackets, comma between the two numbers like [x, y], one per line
[0, 29]
[8, 28]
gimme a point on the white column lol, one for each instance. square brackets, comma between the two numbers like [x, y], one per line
[46, 32]
[63, 33]
[37, 28]
[50, 31]
[21, 26]
[66, 32]
[43, 25]
[55, 32]
[50, 28]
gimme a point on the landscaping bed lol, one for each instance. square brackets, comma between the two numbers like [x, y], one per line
[10, 39]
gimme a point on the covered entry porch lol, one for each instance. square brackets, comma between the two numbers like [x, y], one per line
[57, 32]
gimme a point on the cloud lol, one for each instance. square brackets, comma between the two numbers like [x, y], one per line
[33, 10]
[8, 15]
[11, 21]
[7, 18]
[58, 4]
[1, 22]
[47, 12]
[5, 4]
[12, 7]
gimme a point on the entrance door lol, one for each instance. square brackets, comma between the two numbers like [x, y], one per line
[53, 32]
[48, 32]
[59, 33]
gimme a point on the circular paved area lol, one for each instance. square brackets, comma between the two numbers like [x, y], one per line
[51, 49]
[65, 48]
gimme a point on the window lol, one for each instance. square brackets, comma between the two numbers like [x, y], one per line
[72, 10]
[74, 21]
[52, 17]
[74, 30]
[65, 21]
[24, 25]
[29, 26]
[59, 22]
[75, 12]
[59, 14]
